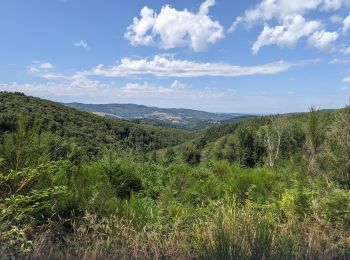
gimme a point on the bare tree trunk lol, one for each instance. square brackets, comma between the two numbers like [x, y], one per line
[273, 146]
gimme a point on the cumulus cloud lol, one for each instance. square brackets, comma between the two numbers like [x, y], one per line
[322, 39]
[172, 28]
[161, 66]
[82, 44]
[278, 9]
[287, 34]
[289, 16]
[346, 80]
[268, 10]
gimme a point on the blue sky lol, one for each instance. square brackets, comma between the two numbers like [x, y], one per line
[254, 56]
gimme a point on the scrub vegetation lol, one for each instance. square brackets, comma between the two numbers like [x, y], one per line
[78, 186]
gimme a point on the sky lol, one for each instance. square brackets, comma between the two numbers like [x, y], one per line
[252, 56]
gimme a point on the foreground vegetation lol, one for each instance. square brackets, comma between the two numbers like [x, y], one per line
[269, 188]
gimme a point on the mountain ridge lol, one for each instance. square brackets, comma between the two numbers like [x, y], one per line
[189, 119]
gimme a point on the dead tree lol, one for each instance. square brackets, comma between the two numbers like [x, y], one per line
[273, 137]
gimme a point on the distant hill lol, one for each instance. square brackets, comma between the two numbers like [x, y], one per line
[173, 117]
[90, 132]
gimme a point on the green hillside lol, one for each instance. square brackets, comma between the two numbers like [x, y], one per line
[92, 133]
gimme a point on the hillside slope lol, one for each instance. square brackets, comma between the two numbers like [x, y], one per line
[91, 132]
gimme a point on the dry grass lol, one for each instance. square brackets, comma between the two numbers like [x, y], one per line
[230, 233]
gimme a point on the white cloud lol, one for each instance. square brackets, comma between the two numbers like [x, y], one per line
[235, 25]
[40, 68]
[345, 51]
[88, 89]
[82, 44]
[52, 76]
[45, 65]
[322, 39]
[74, 88]
[178, 85]
[288, 34]
[346, 24]
[44, 70]
[346, 80]
[79, 84]
[172, 28]
[288, 15]
[161, 66]
[344, 89]
[279, 9]
[40, 65]
[337, 61]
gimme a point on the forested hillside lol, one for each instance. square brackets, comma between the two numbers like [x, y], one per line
[274, 187]
[245, 142]
[91, 133]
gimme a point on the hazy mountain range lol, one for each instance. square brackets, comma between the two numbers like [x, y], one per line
[175, 117]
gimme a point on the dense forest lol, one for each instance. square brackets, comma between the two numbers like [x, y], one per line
[78, 186]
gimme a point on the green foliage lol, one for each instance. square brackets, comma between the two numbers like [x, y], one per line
[27, 146]
[209, 198]
[191, 155]
[21, 203]
[137, 211]
[335, 206]
[336, 160]
[170, 155]
[249, 148]
[122, 176]
[315, 131]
